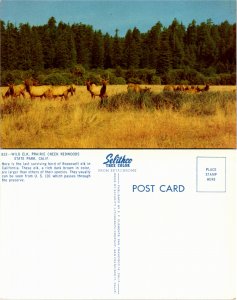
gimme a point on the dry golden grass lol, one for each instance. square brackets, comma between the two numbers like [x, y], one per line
[79, 123]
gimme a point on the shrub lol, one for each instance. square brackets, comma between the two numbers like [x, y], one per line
[228, 79]
[93, 77]
[187, 75]
[117, 80]
[168, 100]
[203, 104]
[14, 106]
[78, 71]
[57, 79]
[117, 101]
[173, 76]
[155, 79]
[134, 80]
[208, 71]
[119, 72]
[214, 79]
[184, 82]
[6, 78]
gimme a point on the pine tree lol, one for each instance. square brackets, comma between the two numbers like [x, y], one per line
[132, 48]
[227, 47]
[190, 58]
[97, 50]
[116, 51]
[176, 40]
[207, 52]
[71, 48]
[83, 37]
[144, 61]
[107, 51]
[65, 51]
[164, 61]
[36, 51]
[136, 48]
[128, 49]
[206, 47]
[48, 37]
[10, 47]
[3, 46]
[48, 48]
[25, 47]
[153, 42]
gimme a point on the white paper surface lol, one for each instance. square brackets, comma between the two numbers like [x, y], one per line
[118, 232]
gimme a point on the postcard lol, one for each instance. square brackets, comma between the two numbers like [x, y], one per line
[118, 150]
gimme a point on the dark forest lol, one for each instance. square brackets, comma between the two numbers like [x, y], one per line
[196, 53]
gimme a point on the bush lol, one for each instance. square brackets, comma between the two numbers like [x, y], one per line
[201, 104]
[195, 77]
[117, 80]
[184, 82]
[168, 100]
[208, 71]
[134, 80]
[173, 76]
[147, 76]
[14, 76]
[128, 101]
[14, 106]
[58, 79]
[93, 77]
[204, 104]
[155, 79]
[78, 71]
[119, 72]
[228, 79]
[7, 78]
[117, 101]
[214, 79]
[178, 76]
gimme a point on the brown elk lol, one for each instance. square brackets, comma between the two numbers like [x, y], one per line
[203, 89]
[133, 87]
[13, 91]
[19, 90]
[170, 88]
[37, 91]
[7, 91]
[95, 90]
[185, 88]
[60, 91]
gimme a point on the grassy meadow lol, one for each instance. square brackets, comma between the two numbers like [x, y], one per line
[152, 120]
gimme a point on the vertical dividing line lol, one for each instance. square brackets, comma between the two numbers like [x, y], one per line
[118, 232]
[115, 233]
[196, 174]
[116, 229]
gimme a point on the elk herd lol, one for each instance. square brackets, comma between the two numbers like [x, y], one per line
[35, 91]
[186, 88]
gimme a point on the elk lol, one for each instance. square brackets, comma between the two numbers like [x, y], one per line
[97, 90]
[191, 90]
[19, 90]
[203, 89]
[73, 87]
[170, 88]
[133, 87]
[13, 90]
[7, 91]
[37, 91]
[60, 91]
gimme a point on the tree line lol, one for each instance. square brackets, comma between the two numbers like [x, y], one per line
[206, 48]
